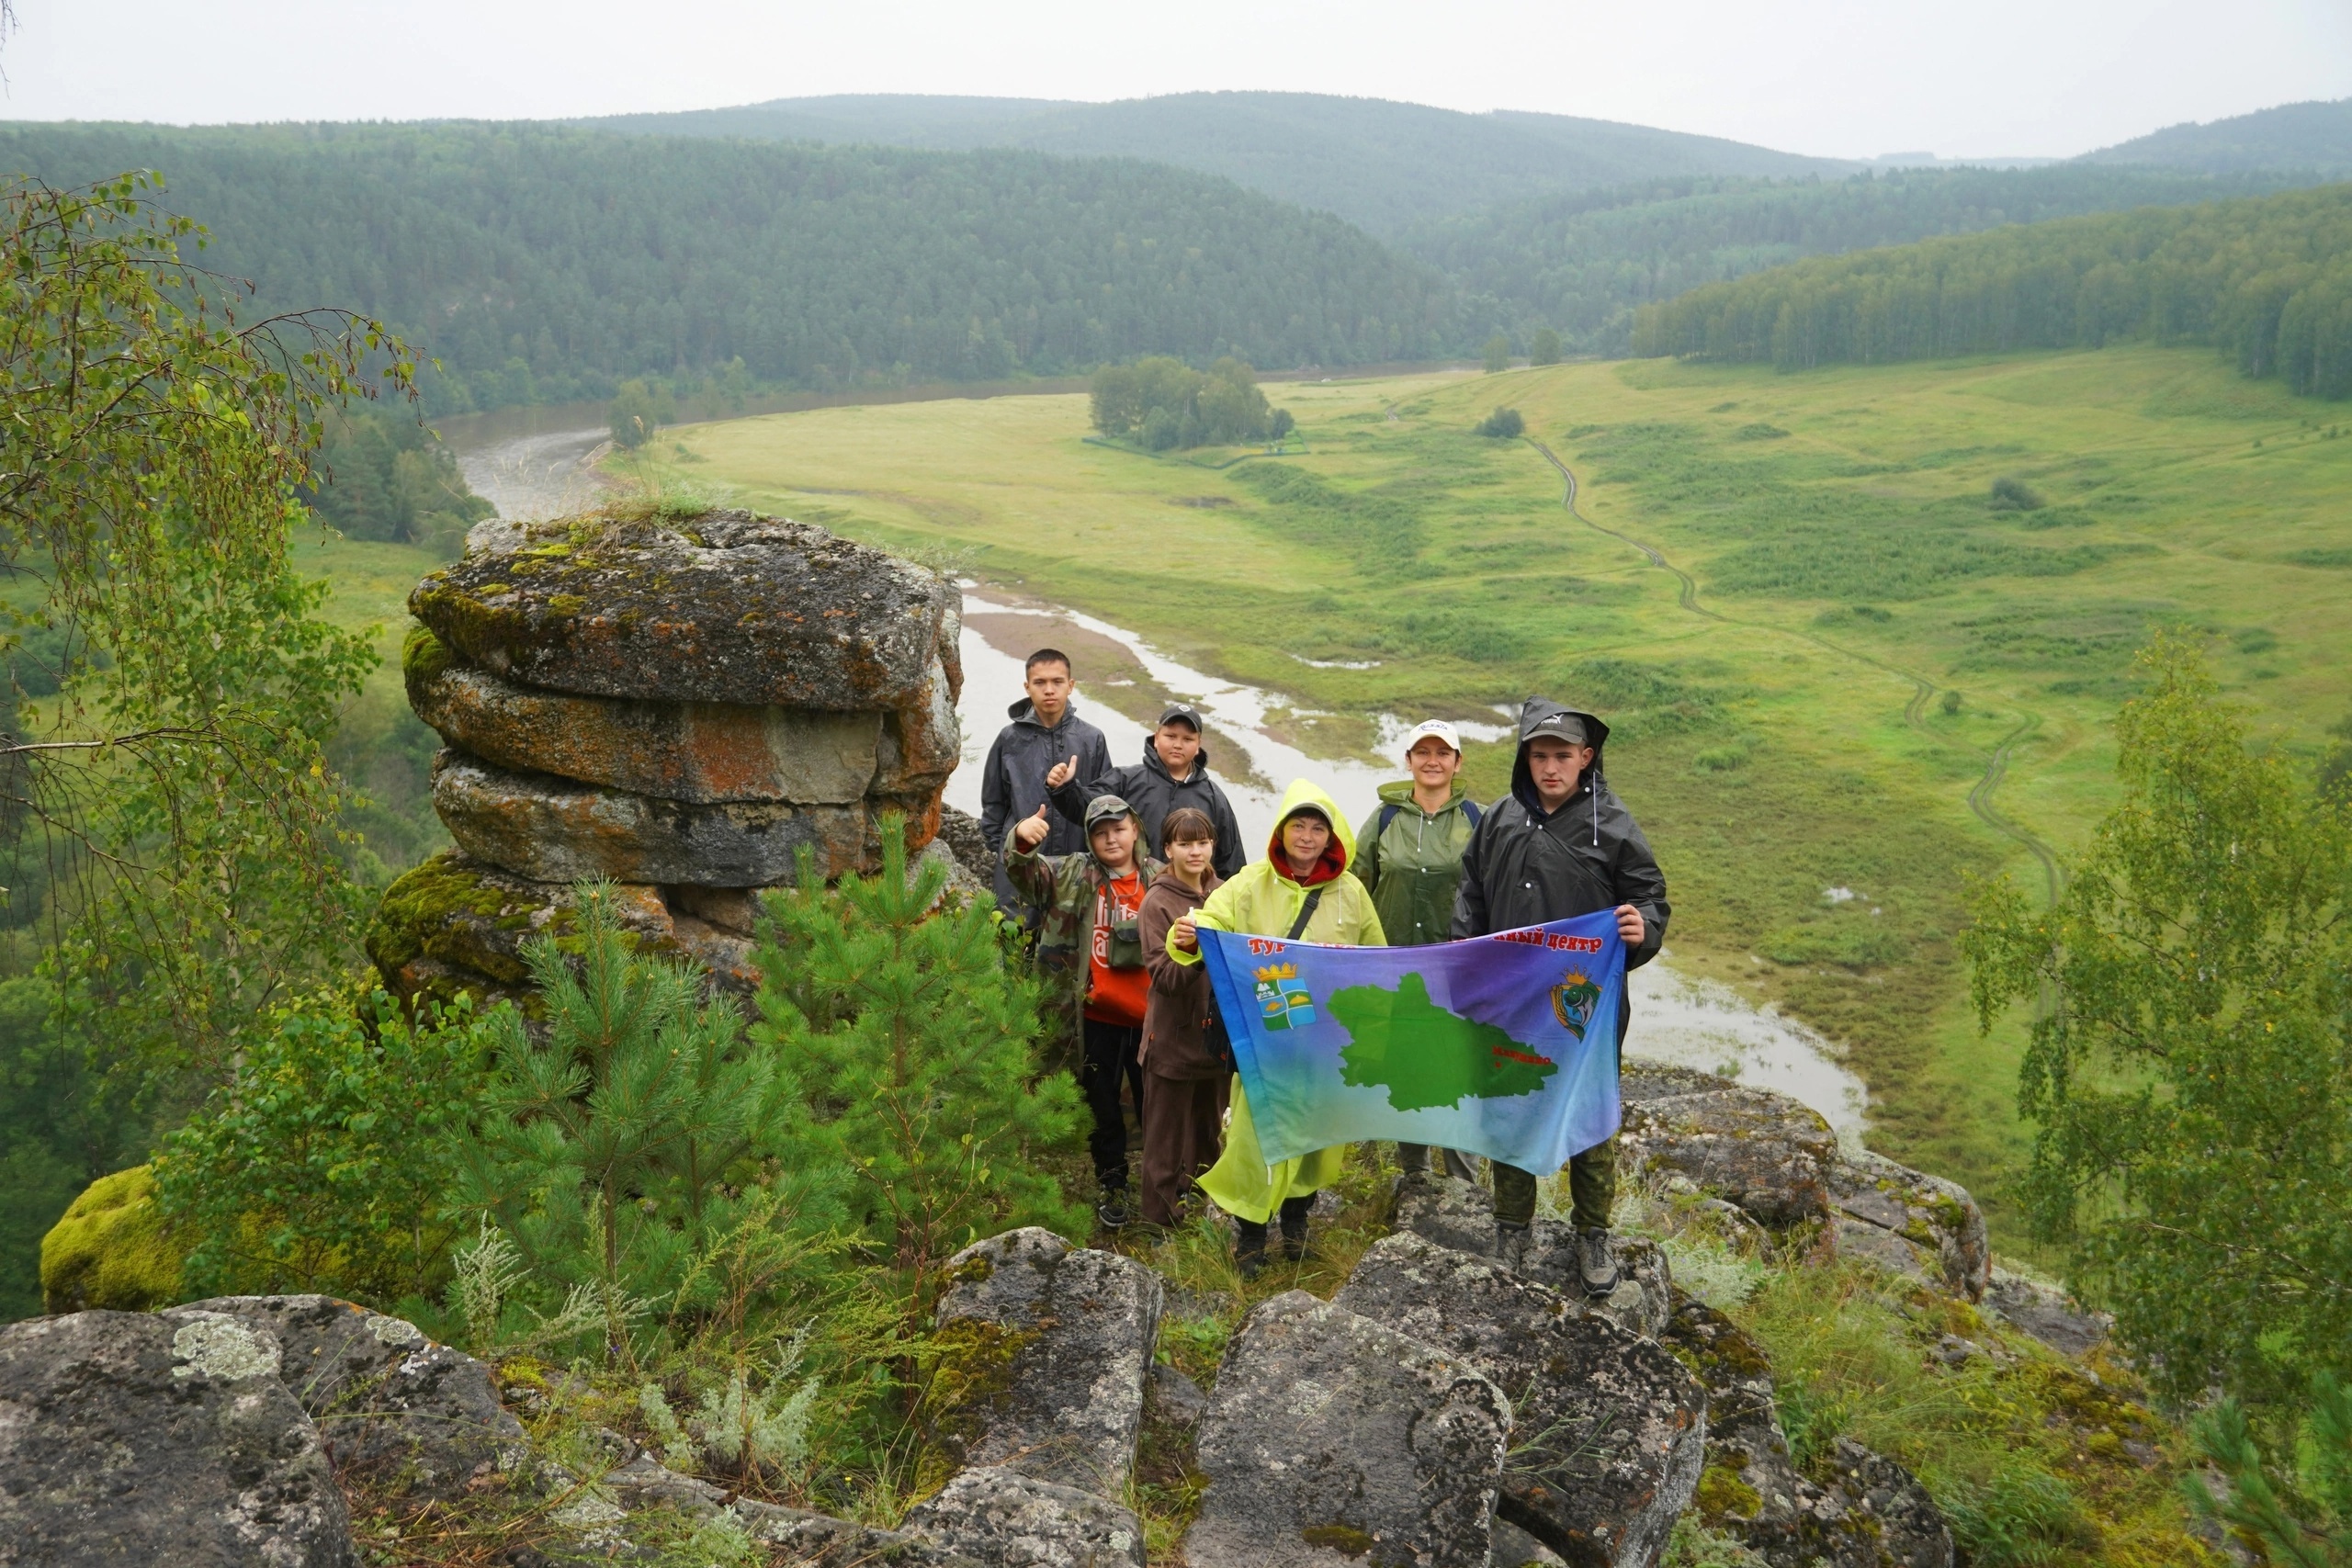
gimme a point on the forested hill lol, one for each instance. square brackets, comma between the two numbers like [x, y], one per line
[1582, 264]
[2267, 280]
[2314, 136]
[541, 264]
[1377, 163]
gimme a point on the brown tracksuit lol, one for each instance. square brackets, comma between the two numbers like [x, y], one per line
[1184, 1084]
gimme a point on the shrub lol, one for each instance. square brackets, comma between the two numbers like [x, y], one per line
[327, 1161]
[1546, 349]
[1502, 424]
[621, 1146]
[2013, 494]
[908, 1041]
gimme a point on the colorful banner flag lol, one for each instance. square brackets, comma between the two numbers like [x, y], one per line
[1502, 1045]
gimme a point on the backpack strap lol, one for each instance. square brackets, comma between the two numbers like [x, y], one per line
[1470, 809]
[1305, 913]
[1387, 814]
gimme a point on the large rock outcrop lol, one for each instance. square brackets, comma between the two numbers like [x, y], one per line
[131, 1437]
[678, 705]
[1332, 1439]
[1608, 1428]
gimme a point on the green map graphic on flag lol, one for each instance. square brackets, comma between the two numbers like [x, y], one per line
[1439, 1058]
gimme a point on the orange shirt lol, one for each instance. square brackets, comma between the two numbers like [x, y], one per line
[1115, 995]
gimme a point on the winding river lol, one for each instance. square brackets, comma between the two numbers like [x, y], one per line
[1253, 740]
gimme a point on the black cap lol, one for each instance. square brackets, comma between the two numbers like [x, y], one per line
[1184, 711]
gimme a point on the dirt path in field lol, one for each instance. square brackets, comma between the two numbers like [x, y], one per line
[1996, 760]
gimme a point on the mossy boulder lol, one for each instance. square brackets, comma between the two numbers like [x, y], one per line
[455, 925]
[1765, 1152]
[1935, 1220]
[111, 1249]
[699, 752]
[727, 607]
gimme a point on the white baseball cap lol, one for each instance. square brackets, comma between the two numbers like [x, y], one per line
[1428, 728]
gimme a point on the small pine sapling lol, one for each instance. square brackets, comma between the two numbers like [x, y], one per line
[601, 1149]
[911, 1044]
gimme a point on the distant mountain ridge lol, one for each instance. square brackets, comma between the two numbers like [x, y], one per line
[1380, 164]
[2314, 136]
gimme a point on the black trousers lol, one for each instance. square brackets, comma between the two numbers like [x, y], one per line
[1109, 1060]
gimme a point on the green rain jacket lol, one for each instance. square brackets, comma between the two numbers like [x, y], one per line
[1413, 868]
[1261, 901]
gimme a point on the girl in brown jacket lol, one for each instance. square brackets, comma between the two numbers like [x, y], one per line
[1185, 1080]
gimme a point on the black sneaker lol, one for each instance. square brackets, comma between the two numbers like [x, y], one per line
[1111, 1209]
[1596, 1264]
[1250, 1249]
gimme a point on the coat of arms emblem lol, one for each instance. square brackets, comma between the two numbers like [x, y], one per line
[1282, 999]
[1573, 1001]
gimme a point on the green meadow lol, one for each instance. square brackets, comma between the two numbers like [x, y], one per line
[1844, 679]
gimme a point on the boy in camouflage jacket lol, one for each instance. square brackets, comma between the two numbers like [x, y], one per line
[1087, 938]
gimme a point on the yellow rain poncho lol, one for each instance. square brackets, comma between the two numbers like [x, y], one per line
[1261, 899]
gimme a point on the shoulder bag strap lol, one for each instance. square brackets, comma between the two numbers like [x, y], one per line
[1305, 913]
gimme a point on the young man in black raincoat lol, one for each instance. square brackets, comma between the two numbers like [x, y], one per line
[1561, 845]
[1174, 772]
[1045, 730]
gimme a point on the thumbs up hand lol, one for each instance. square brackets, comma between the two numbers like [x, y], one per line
[1030, 831]
[1061, 774]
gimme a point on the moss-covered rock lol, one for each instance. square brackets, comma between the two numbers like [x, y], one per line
[728, 607]
[110, 1250]
[455, 924]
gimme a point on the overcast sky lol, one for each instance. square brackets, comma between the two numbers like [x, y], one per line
[1839, 78]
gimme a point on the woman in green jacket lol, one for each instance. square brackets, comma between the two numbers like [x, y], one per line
[1410, 859]
[1308, 853]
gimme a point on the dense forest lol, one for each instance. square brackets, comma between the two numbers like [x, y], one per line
[1582, 264]
[2267, 279]
[543, 265]
[2312, 135]
[1381, 165]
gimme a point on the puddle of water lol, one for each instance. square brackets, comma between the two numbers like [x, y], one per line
[1689, 1022]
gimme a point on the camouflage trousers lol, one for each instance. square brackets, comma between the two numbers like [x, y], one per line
[1592, 1188]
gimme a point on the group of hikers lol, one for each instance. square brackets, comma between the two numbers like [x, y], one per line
[1116, 869]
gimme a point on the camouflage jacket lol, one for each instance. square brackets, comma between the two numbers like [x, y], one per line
[1063, 889]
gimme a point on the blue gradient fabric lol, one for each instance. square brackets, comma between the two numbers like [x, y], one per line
[1503, 1045]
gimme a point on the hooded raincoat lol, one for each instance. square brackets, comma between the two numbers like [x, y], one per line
[1263, 899]
[1154, 792]
[1526, 865]
[1013, 784]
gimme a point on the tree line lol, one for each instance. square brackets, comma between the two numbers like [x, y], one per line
[1584, 262]
[2267, 279]
[541, 265]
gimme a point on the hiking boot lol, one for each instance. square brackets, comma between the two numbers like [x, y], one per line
[1249, 1248]
[1510, 1247]
[1111, 1209]
[1595, 1265]
[1294, 1213]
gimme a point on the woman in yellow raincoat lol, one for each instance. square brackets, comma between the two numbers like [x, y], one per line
[1307, 855]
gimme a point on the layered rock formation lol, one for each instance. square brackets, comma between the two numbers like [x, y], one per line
[679, 705]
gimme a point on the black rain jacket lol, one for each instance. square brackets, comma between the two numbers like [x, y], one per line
[1525, 867]
[1014, 786]
[1154, 792]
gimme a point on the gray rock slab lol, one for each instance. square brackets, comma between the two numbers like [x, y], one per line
[726, 607]
[1765, 1152]
[1332, 1439]
[1897, 1524]
[2045, 1312]
[1765, 1507]
[1010, 1520]
[1514, 1548]
[1460, 1215]
[820, 1541]
[406, 1414]
[1055, 1343]
[553, 829]
[1936, 1216]
[127, 1438]
[702, 752]
[1175, 1398]
[1869, 1244]
[1609, 1429]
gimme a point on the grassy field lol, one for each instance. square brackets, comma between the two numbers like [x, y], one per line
[1833, 663]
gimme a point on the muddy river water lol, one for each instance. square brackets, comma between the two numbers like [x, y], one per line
[1253, 741]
